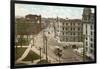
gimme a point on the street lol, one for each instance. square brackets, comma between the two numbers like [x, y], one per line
[70, 56]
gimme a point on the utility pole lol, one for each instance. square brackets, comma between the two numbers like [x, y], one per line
[45, 46]
[43, 42]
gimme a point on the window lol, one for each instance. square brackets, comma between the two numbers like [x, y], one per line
[63, 28]
[86, 38]
[48, 32]
[66, 28]
[86, 43]
[71, 24]
[78, 29]
[91, 45]
[71, 29]
[86, 32]
[63, 33]
[91, 33]
[73, 33]
[91, 27]
[91, 51]
[86, 29]
[74, 29]
[91, 39]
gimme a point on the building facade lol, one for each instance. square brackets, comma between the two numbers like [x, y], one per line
[88, 32]
[71, 30]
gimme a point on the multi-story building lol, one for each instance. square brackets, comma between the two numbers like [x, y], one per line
[88, 32]
[71, 30]
[26, 28]
[58, 28]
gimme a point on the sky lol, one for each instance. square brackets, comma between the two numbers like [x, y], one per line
[49, 11]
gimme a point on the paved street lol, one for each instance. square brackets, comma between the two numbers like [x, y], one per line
[70, 56]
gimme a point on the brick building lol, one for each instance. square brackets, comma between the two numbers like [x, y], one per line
[26, 28]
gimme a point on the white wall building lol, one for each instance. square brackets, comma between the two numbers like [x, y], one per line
[88, 32]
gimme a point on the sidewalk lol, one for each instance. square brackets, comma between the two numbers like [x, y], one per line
[43, 55]
[25, 53]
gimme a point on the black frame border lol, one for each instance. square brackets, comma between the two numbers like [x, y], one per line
[12, 32]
